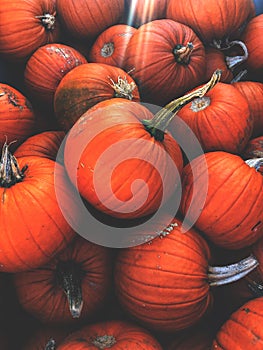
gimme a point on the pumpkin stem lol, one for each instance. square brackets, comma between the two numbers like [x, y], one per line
[239, 76]
[182, 53]
[107, 49]
[256, 163]
[219, 275]
[122, 88]
[159, 123]
[51, 345]
[255, 287]
[69, 276]
[48, 20]
[232, 62]
[104, 341]
[10, 173]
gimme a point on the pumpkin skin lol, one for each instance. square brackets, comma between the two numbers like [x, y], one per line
[83, 87]
[46, 67]
[118, 123]
[252, 38]
[119, 335]
[87, 19]
[25, 242]
[215, 20]
[154, 61]
[41, 295]
[25, 26]
[254, 148]
[18, 120]
[111, 44]
[215, 59]
[45, 144]
[220, 120]
[253, 92]
[139, 12]
[243, 329]
[232, 215]
[163, 285]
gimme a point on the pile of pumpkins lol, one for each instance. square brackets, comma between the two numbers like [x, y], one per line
[131, 174]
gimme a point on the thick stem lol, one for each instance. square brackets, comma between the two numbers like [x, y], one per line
[233, 62]
[69, 276]
[48, 20]
[219, 275]
[122, 88]
[256, 163]
[51, 345]
[182, 53]
[159, 123]
[104, 341]
[10, 173]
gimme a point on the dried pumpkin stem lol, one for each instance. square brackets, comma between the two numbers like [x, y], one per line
[104, 341]
[48, 20]
[255, 287]
[51, 345]
[69, 279]
[159, 123]
[234, 61]
[219, 275]
[10, 173]
[122, 88]
[239, 76]
[107, 49]
[182, 53]
[256, 163]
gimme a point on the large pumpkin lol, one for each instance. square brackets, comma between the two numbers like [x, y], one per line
[213, 20]
[33, 228]
[46, 67]
[232, 215]
[243, 330]
[115, 335]
[166, 59]
[86, 85]
[74, 285]
[165, 284]
[17, 118]
[25, 26]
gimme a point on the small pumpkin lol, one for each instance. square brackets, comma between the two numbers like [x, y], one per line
[225, 196]
[86, 85]
[74, 285]
[215, 58]
[166, 59]
[115, 334]
[110, 46]
[25, 26]
[46, 67]
[17, 117]
[254, 148]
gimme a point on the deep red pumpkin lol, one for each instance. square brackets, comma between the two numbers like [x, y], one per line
[216, 59]
[86, 85]
[115, 335]
[17, 118]
[215, 19]
[33, 228]
[45, 144]
[220, 120]
[110, 46]
[243, 330]
[86, 19]
[232, 214]
[74, 285]
[254, 148]
[26, 25]
[46, 67]
[166, 59]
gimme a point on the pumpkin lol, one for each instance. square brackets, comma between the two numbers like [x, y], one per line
[213, 21]
[253, 92]
[220, 120]
[166, 59]
[119, 335]
[33, 228]
[118, 142]
[25, 26]
[231, 215]
[139, 12]
[86, 85]
[87, 19]
[111, 44]
[252, 38]
[243, 330]
[46, 67]
[254, 148]
[215, 58]
[74, 285]
[45, 144]
[166, 284]
[17, 118]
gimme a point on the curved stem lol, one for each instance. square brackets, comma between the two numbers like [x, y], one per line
[232, 62]
[10, 173]
[256, 163]
[159, 123]
[69, 279]
[219, 275]
[51, 345]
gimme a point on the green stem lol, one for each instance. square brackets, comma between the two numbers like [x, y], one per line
[159, 123]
